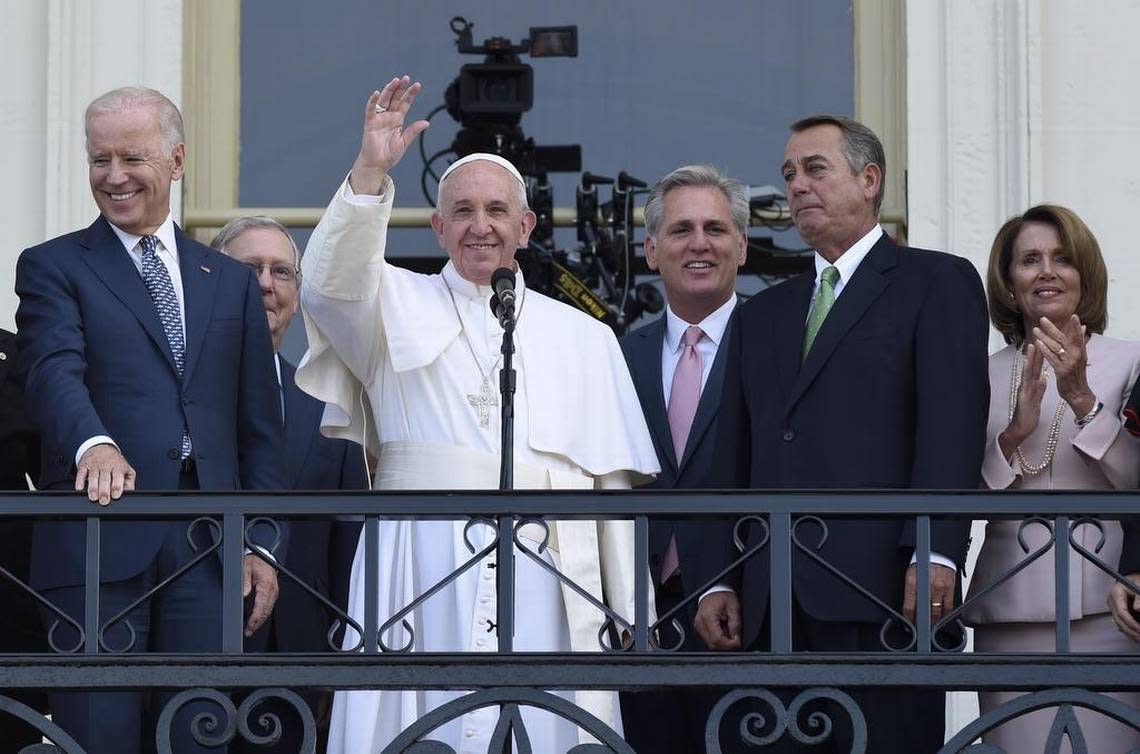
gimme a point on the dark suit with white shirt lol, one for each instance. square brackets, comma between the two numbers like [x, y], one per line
[893, 394]
[673, 720]
[99, 364]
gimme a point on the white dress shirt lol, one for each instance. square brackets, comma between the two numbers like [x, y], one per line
[849, 261]
[167, 251]
[713, 327]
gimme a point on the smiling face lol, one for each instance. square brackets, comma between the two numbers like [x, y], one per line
[271, 257]
[697, 250]
[480, 221]
[831, 206]
[129, 171]
[1044, 280]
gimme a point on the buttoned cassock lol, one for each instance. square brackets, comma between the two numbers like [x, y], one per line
[397, 356]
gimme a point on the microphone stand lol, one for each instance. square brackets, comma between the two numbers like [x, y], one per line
[507, 401]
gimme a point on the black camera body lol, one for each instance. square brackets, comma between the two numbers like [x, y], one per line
[488, 99]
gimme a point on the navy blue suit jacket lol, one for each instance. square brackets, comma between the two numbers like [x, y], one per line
[894, 394]
[642, 350]
[98, 363]
[320, 551]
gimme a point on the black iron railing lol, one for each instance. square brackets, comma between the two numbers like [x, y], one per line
[508, 680]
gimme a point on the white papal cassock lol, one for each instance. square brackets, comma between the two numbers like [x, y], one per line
[400, 359]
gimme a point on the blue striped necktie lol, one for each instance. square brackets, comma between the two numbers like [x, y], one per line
[157, 280]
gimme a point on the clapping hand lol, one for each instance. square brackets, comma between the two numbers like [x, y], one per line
[1027, 414]
[1064, 349]
[385, 138]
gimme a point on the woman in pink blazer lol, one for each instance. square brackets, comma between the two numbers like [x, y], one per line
[1056, 396]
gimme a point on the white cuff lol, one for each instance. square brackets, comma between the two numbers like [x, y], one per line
[938, 559]
[261, 550]
[714, 589]
[96, 440]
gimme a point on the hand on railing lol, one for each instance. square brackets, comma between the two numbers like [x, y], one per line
[104, 473]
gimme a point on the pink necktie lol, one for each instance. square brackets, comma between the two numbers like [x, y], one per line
[683, 399]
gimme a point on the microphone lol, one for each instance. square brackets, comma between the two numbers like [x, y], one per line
[503, 294]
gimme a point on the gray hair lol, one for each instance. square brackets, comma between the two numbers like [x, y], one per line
[697, 175]
[861, 147]
[239, 225]
[521, 190]
[170, 126]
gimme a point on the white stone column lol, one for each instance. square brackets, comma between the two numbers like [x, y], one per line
[973, 119]
[60, 55]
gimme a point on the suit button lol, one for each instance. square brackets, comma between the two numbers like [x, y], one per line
[789, 435]
[173, 454]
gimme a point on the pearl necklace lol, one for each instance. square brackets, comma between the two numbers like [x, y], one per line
[1054, 428]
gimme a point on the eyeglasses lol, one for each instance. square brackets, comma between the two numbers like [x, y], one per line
[282, 273]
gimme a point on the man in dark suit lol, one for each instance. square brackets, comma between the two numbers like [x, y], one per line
[320, 551]
[20, 628]
[696, 224]
[871, 373]
[149, 366]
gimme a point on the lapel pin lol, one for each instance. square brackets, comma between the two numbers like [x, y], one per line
[205, 269]
[3, 356]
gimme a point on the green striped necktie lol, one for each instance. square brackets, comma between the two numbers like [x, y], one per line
[820, 305]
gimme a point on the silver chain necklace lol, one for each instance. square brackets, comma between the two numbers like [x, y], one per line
[1054, 427]
[486, 398]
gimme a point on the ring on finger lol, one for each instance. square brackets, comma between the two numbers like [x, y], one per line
[381, 109]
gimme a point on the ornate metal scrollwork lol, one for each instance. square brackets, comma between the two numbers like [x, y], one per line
[401, 616]
[1065, 725]
[214, 529]
[342, 617]
[612, 619]
[59, 616]
[207, 729]
[746, 554]
[894, 617]
[510, 726]
[61, 742]
[953, 615]
[759, 731]
[1092, 556]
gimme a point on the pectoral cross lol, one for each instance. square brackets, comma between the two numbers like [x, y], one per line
[482, 401]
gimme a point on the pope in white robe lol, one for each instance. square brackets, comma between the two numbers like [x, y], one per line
[408, 366]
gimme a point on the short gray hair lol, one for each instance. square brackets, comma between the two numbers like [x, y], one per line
[861, 147]
[169, 118]
[521, 189]
[697, 175]
[239, 225]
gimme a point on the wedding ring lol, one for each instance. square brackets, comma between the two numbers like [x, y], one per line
[381, 109]
[1061, 351]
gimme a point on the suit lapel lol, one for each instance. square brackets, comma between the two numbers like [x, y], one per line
[301, 416]
[710, 399]
[105, 255]
[646, 368]
[788, 329]
[866, 285]
[199, 285]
